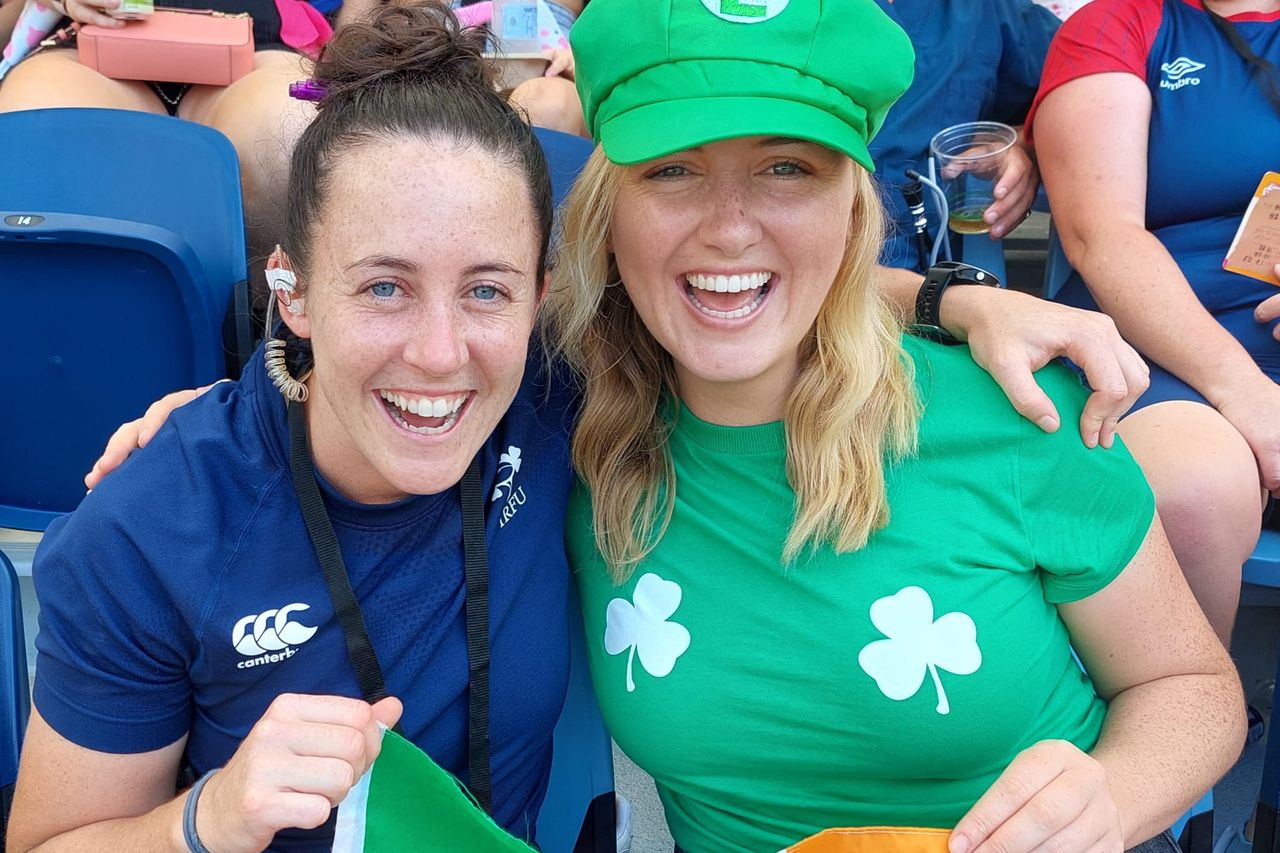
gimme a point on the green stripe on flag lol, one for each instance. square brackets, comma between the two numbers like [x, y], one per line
[407, 802]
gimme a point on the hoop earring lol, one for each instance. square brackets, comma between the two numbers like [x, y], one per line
[291, 389]
[281, 280]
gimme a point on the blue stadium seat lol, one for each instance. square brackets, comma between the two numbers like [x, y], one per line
[15, 696]
[566, 155]
[122, 246]
[1263, 569]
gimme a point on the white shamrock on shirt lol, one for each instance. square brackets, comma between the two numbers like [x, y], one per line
[917, 644]
[511, 461]
[643, 627]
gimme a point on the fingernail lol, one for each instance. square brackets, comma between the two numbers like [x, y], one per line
[1048, 423]
[998, 231]
[1109, 440]
[958, 844]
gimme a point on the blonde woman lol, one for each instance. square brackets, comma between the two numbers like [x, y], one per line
[829, 576]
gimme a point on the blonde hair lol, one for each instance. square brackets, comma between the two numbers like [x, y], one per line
[852, 410]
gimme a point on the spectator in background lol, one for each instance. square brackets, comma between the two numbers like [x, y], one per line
[975, 60]
[983, 60]
[1154, 124]
[1062, 8]
[255, 112]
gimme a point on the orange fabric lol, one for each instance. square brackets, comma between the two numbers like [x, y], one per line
[874, 839]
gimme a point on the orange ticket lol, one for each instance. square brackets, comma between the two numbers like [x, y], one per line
[1255, 251]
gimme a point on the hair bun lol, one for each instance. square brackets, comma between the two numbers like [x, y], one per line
[420, 42]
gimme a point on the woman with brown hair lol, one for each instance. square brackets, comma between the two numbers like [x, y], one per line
[193, 611]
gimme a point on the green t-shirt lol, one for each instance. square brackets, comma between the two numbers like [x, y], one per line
[884, 687]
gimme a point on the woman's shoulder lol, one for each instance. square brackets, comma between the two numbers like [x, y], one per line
[960, 398]
[949, 373]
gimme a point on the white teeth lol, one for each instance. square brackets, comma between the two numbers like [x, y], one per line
[729, 315]
[426, 407]
[729, 283]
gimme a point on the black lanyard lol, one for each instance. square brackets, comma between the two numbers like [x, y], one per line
[363, 660]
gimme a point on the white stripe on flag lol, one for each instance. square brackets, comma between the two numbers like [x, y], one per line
[348, 835]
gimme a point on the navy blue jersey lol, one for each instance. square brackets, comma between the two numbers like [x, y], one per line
[1213, 135]
[975, 60]
[184, 595]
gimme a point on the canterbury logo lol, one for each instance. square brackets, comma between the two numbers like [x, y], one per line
[270, 634]
[1180, 67]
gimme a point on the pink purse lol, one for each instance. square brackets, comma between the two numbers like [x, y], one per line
[172, 46]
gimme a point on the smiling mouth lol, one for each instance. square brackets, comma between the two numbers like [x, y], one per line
[728, 297]
[424, 415]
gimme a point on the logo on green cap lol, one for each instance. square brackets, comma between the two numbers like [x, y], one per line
[745, 11]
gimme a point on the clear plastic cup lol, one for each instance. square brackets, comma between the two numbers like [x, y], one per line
[970, 159]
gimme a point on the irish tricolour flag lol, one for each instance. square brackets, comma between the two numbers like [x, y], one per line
[407, 802]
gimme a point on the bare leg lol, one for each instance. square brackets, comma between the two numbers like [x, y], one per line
[551, 102]
[53, 78]
[1206, 485]
[9, 13]
[263, 122]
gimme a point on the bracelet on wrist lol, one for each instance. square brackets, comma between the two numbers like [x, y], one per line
[189, 833]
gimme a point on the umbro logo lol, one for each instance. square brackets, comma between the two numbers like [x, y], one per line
[1175, 73]
[270, 636]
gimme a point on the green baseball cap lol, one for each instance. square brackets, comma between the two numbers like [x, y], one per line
[660, 76]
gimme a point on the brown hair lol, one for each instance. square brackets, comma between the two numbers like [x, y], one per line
[408, 70]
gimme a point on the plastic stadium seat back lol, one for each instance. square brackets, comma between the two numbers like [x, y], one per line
[1263, 569]
[15, 704]
[566, 155]
[116, 273]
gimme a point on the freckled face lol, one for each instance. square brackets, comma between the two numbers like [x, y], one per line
[727, 252]
[420, 301]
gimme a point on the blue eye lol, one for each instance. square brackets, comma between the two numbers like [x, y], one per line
[485, 292]
[787, 167]
[384, 289]
[674, 170]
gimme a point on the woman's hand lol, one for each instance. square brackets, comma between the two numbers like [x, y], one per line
[1015, 192]
[1051, 797]
[296, 764]
[1012, 334]
[1268, 310]
[559, 63]
[1254, 410]
[135, 434]
[92, 12]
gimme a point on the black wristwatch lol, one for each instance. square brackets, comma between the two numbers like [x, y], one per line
[929, 300]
